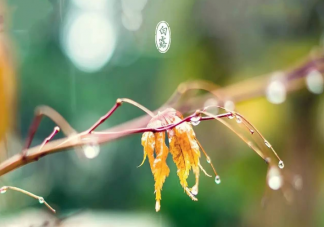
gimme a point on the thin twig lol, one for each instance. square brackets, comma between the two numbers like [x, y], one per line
[39, 198]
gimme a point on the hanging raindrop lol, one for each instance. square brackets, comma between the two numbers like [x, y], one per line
[281, 164]
[194, 190]
[217, 180]
[208, 159]
[195, 120]
[238, 119]
[41, 200]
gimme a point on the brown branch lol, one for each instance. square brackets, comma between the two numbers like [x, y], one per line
[238, 92]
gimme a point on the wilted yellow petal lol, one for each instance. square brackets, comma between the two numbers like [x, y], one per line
[185, 153]
[179, 157]
[160, 168]
[183, 147]
[148, 142]
[144, 158]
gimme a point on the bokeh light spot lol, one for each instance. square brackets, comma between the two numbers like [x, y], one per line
[89, 40]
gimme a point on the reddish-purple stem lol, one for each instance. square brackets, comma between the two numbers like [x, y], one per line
[55, 131]
[105, 117]
[31, 133]
[164, 128]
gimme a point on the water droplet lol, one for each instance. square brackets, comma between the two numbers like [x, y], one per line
[276, 90]
[238, 119]
[208, 159]
[252, 131]
[41, 200]
[217, 180]
[195, 120]
[281, 164]
[194, 190]
[230, 116]
[3, 190]
[267, 144]
[314, 82]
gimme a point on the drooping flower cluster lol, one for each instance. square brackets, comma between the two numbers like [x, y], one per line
[183, 146]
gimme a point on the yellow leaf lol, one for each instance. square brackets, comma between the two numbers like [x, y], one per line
[183, 147]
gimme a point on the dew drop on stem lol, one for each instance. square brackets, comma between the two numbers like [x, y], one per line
[267, 144]
[238, 119]
[195, 120]
[217, 180]
[194, 190]
[281, 164]
[41, 200]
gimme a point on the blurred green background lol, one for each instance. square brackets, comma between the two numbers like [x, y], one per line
[223, 41]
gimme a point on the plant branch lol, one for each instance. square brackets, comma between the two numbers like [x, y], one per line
[40, 199]
[238, 92]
